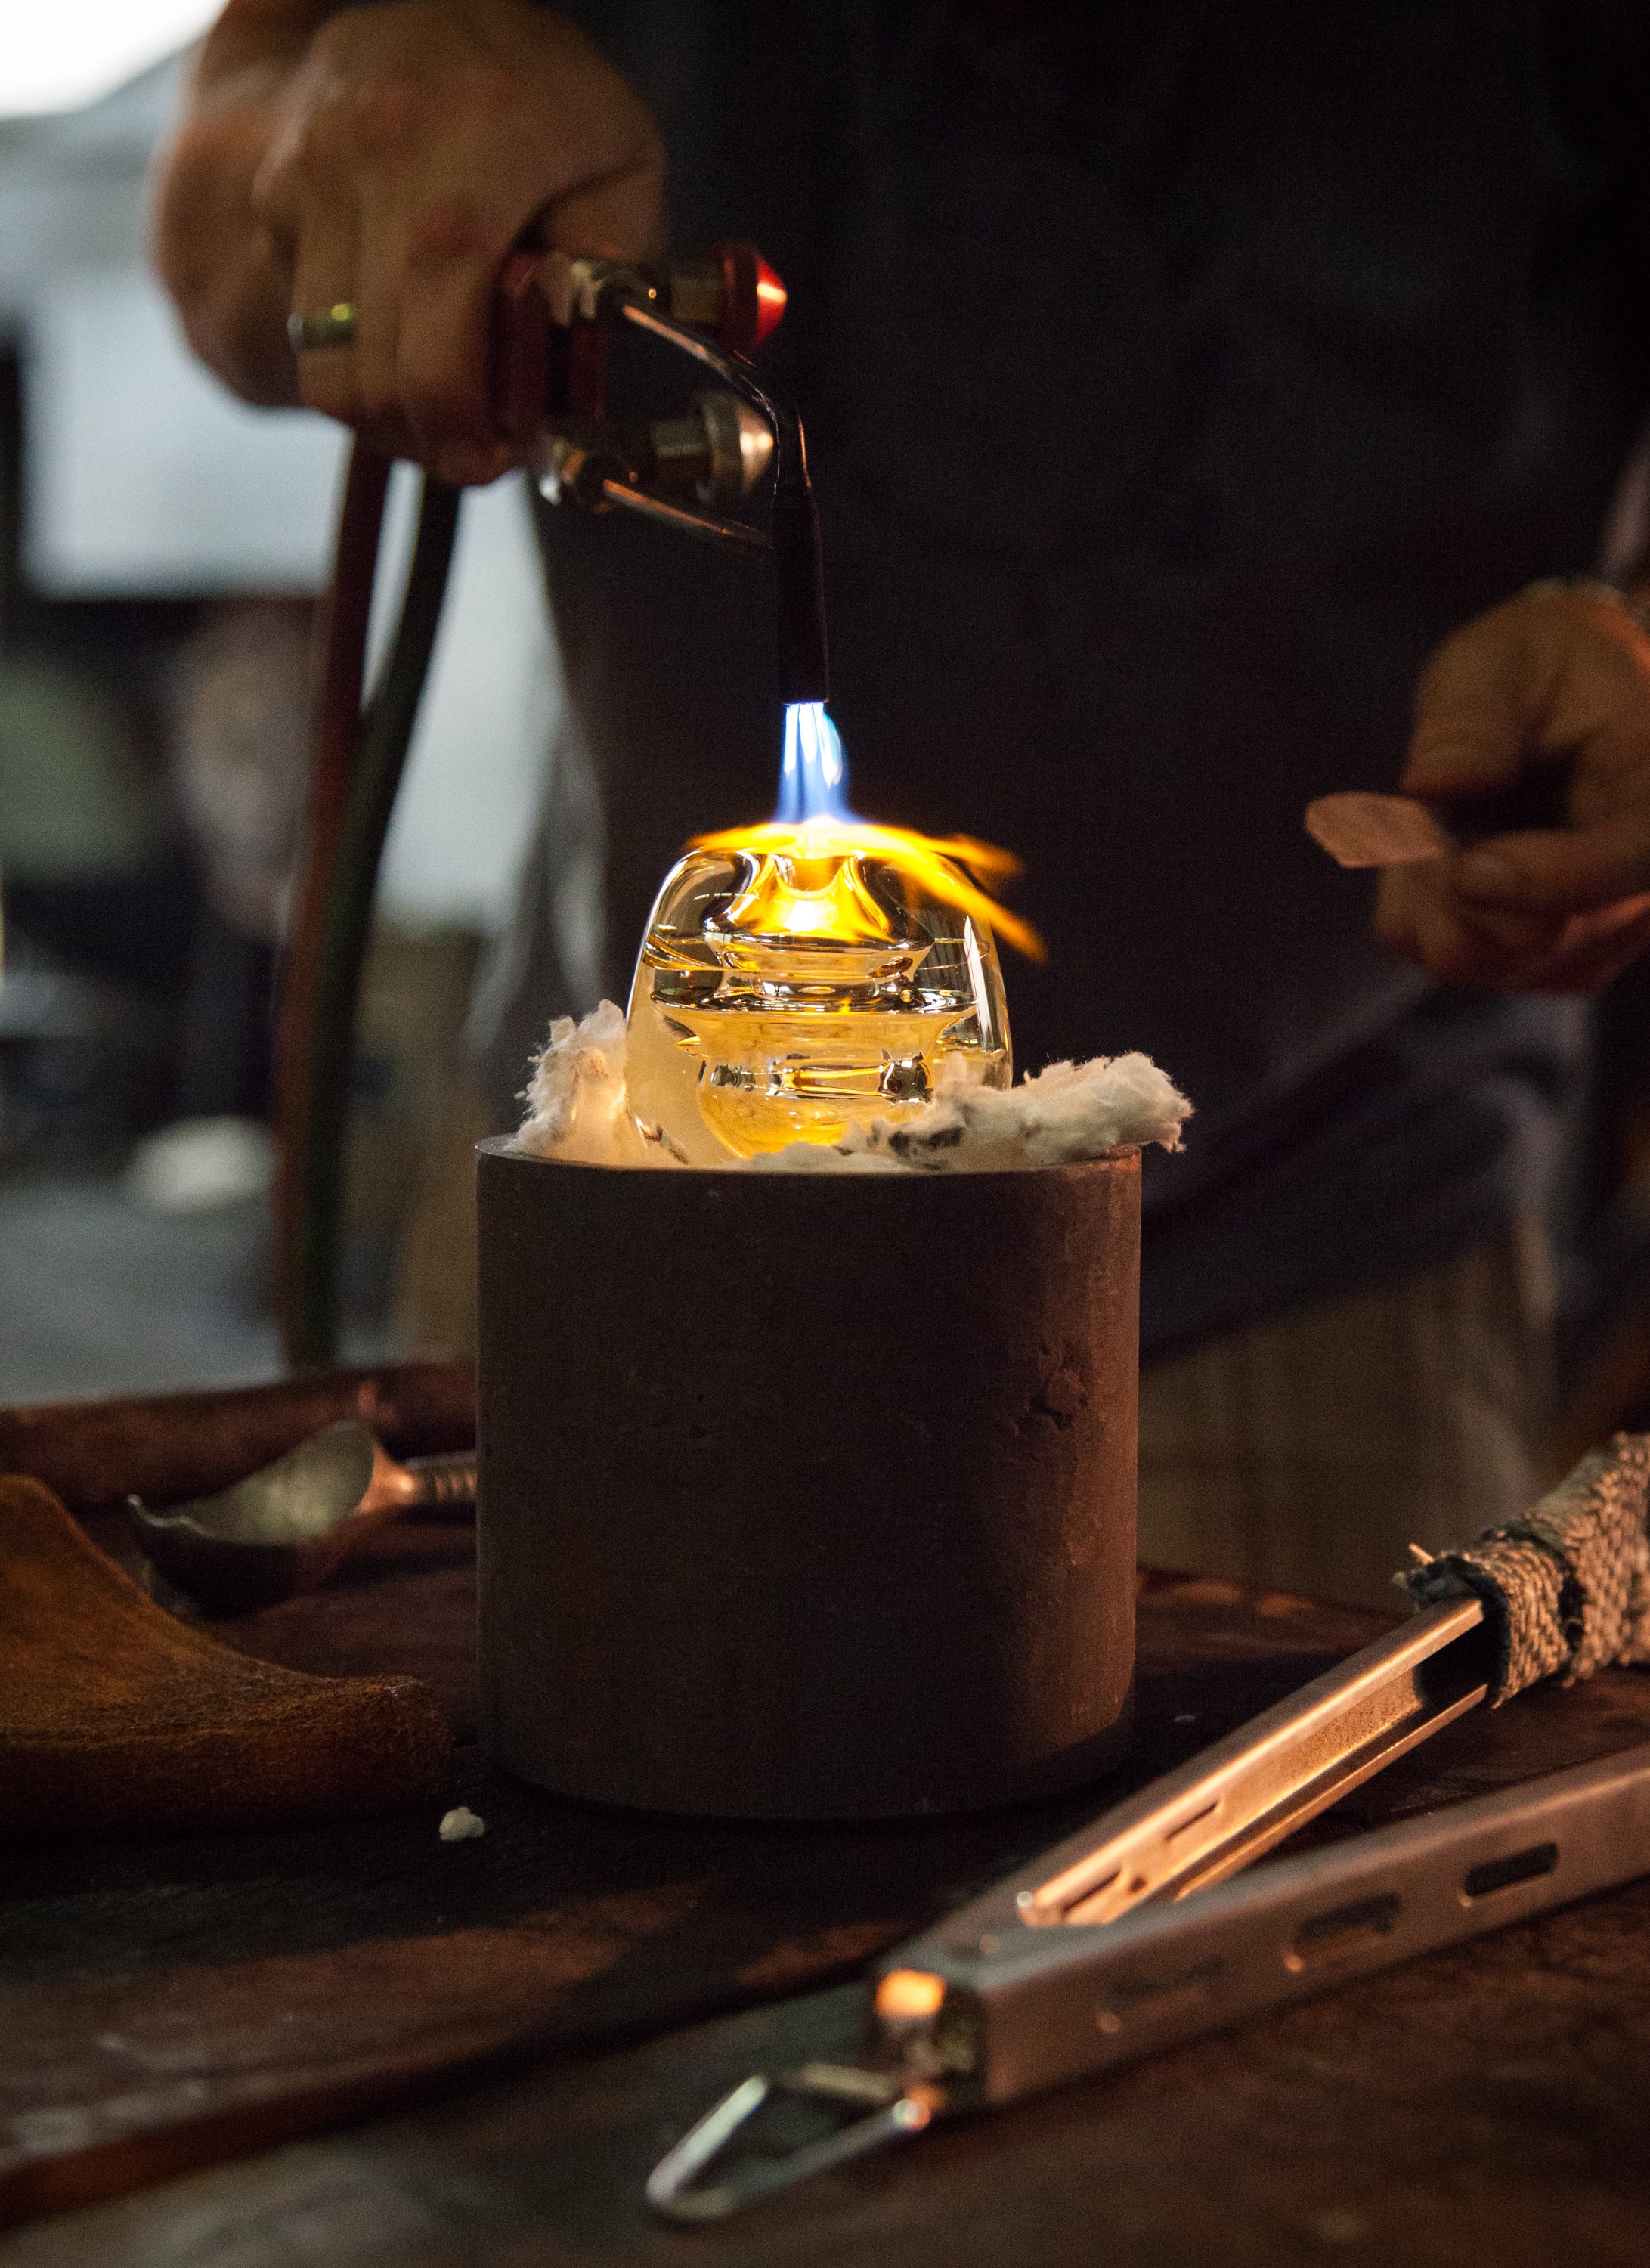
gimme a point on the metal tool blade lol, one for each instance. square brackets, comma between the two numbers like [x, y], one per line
[1011, 2017]
[1244, 1795]
[1050, 2006]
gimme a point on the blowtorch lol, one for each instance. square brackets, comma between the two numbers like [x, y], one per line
[552, 321]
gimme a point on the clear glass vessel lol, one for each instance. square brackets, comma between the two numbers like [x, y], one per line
[782, 994]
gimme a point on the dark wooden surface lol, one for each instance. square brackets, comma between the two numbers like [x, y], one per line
[514, 2004]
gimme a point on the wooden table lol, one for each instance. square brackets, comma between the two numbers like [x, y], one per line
[357, 2045]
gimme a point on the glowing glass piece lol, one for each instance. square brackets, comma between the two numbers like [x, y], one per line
[817, 970]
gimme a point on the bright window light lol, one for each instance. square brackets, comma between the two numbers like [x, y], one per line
[56, 58]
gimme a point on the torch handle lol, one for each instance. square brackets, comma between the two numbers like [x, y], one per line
[547, 335]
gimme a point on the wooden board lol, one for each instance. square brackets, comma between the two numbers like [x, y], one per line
[174, 2000]
[1479, 2108]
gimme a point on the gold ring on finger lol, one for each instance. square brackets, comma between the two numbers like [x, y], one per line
[327, 327]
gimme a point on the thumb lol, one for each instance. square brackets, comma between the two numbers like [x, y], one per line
[619, 218]
[1472, 723]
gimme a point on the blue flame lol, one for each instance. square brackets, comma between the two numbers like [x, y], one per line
[813, 773]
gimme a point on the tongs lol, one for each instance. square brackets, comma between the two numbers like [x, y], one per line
[1128, 1936]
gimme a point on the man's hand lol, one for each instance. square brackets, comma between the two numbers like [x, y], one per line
[389, 156]
[1555, 672]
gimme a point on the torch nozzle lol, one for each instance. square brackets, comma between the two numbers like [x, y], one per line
[799, 572]
[799, 596]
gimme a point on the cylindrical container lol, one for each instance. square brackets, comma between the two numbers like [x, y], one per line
[806, 1496]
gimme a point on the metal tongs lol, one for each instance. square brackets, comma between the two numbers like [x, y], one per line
[1088, 1957]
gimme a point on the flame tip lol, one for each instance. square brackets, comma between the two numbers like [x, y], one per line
[813, 817]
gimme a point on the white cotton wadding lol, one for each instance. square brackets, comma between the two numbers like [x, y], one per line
[1064, 1115]
[575, 1098]
[577, 1113]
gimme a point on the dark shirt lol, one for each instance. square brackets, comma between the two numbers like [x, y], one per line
[1175, 377]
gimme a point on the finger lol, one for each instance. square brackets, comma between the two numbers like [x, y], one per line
[325, 278]
[1418, 919]
[1420, 898]
[1517, 935]
[1601, 930]
[441, 374]
[307, 204]
[1472, 704]
[1588, 963]
[229, 278]
[1557, 871]
[412, 377]
[1540, 675]
[620, 218]
[1503, 952]
[452, 261]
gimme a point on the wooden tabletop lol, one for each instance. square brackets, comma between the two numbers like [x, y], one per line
[357, 2045]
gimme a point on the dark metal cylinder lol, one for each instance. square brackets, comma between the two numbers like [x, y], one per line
[806, 1496]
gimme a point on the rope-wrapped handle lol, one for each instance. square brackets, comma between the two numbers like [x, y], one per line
[1566, 1587]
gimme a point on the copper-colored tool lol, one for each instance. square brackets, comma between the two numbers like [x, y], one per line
[1358, 829]
[171, 1447]
[288, 1528]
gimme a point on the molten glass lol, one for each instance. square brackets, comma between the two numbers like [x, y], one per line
[809, 972]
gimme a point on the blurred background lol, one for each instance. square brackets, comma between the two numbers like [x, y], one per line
[161, 552]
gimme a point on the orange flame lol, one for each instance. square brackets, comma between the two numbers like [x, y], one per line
[801, 889]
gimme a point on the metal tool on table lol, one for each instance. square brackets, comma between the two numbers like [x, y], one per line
[289, 1527]
[1128, 1937]
[553, 320]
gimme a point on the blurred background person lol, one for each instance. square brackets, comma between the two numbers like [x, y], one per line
[1193, 392]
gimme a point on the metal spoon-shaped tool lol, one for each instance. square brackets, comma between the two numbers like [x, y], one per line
[286, 1528]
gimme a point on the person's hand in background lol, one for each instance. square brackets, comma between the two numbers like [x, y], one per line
[388, 157]
[1560, 671]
